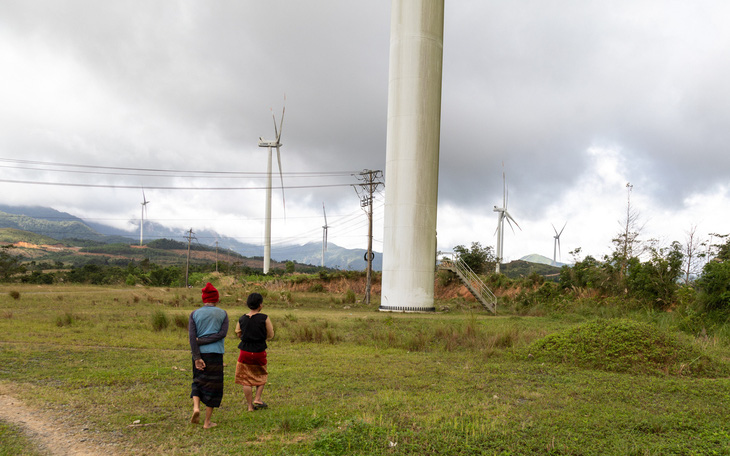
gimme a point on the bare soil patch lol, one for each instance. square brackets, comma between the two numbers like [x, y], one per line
[49, 431]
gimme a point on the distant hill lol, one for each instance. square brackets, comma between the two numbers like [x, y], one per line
[540, 259]
[12, 235]
[520, 268]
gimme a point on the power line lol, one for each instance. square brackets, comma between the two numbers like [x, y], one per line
[153, 187]
[157, 170]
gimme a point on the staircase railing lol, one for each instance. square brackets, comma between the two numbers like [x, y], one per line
[473, 283]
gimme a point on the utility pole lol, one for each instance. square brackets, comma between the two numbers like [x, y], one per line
[369, 183]
[187, 264]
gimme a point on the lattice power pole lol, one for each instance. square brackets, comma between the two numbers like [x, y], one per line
[369, 182]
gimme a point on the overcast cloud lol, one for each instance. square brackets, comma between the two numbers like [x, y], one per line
[575, 98]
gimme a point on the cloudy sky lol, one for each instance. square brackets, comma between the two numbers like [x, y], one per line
[572, 99]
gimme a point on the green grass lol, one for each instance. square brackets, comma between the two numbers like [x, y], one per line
[356, 381]
[14, 443]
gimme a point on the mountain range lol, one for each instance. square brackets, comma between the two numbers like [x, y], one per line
[61, 225]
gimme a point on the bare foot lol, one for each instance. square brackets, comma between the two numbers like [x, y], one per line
[208, 426]
[195, 419]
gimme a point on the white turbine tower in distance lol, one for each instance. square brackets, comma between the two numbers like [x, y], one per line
[271, 144]
[324, 233]
[141, 222]
[503, 215]
[556, 243]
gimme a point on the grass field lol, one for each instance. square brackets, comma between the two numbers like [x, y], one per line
[346, 379]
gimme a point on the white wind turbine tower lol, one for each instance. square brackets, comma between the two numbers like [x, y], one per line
[141, 222]
[556, 243]
[324, 233]
[270, 144]
[503, 215]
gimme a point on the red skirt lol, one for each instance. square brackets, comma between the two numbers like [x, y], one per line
[251, 369]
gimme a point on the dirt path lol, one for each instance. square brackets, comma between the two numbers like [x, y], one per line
[49, 431]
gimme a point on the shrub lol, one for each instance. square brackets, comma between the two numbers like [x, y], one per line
[180, 321]
[349, 297]
[714, 286]
[15, 294]
[66, 319]
[160, 320]
[316, 288]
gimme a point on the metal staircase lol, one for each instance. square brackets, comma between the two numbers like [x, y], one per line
[472, 281]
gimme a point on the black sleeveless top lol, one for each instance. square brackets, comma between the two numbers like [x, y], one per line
[253, 333]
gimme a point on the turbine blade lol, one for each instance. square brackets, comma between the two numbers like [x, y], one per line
[510, 224]
[281, 124]
[281, 176]
[561, 231]
[504, 190]
[556, 231]
[560, 255]
[509, 217]
[276, 132]
[325, 215]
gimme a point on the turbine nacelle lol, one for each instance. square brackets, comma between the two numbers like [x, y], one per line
[269, 143]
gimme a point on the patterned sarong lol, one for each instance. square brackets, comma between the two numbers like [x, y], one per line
[251, 369]
[208, 383]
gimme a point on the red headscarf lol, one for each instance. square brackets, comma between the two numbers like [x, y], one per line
[210, 294]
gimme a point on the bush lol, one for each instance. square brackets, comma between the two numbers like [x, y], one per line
[350, 297]
[714, 286]
[180, 321]
[15, 294]
[160, 320]
[66, 319]
[316, 288]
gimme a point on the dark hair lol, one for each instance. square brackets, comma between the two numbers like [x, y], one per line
[254, 301]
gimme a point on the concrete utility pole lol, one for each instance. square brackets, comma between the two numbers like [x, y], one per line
[187, 263]
[412, 155]
[369, 185]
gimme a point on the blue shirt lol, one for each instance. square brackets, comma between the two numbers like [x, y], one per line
[208, 321]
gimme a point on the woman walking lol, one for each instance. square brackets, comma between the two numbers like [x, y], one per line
[254, 329]
[207, 329]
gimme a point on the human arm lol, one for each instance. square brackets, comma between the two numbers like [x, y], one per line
[269, 329]
[215, 337]
[193, 338]
[238, 329]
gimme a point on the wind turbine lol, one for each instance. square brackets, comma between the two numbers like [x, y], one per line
[556, 244]
[141, 223]
[270, 144]
[503, 215]
[324, 233]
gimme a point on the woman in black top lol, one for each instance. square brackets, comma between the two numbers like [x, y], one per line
[254, 329]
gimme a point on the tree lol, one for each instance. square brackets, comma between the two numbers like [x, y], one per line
[9, 264]
[714, 284]
[656, 280]
[479, 259]
[692, 256]
[627, 241]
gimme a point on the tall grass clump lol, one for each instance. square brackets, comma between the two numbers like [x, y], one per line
[160, 320]
[180, 321]
[14, 294]
[621, 345]
[349, 297]
[67, 319]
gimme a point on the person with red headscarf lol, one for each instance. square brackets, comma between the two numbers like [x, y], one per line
[207, 329]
